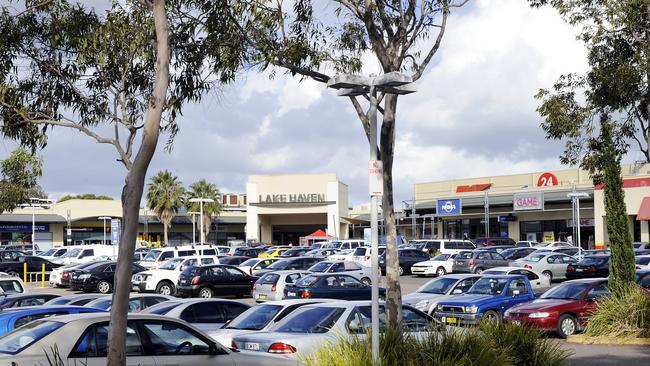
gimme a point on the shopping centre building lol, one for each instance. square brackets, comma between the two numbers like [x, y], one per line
[284, 209]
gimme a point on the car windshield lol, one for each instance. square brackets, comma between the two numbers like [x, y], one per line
[438, 286]
[643, 261]
[172, 264]
[21, 338]
[255, 318]
[72, 253]
[566, 291]
[534, 258]
[488, 286]
[464, 255]
[151, 256]
[441, 257]
[334, 245]
[544, 244]
[593, 261]
[313, 320]
[637, 245]
[509, 253]
[307, 281]
[249, 263]
[162, 308]
[279, 264]
[48, 253]
[101, 304]
[320, 267]
[495, 272]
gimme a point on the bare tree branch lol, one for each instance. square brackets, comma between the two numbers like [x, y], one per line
[420, 69]
[33, 7]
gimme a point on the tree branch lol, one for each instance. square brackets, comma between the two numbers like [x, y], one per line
[420, 69]
[33, 7]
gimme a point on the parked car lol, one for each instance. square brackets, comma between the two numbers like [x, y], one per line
[254, 265]
[297, 263]
[488, 298]
[498, 248]
[329, 286]
[641, 252]
[99, 278]
[215, 280]
[10, 320]
[295, 252]
[488, 242]
[60, 277]
[361, 273]
[273, 252]
[525, 244]
[320, 252]
[232, 261]
[259, 318]
[308, 328]
[343, 255]
[251, 252]
[319, 245]
[28, 299]
[137, 302]
[590, 267]
[538, 281]
[564, 309]
[155, 258]
[12, 255]
[477, 261]
[553, 244]
[73, 300]
[513, 254]
[550, 264]
[345, 244]
[426, 298]
[439, 265]
[53, 253]
[163, 280]
[270, 286]
[406, 259]
[11, 284]
[643, 279]
[85, 253]
[34, 264]
[204, 314]
[641, 245]
[443, 246]
[596, 252]
[26, 248]
[362, 255]
[82, 339]
[642, 262]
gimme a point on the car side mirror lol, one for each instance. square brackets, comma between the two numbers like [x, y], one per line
[216, 349]
[515, 293]
[457, 291]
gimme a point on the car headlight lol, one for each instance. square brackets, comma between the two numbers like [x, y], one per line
[471, 309]
[422, 304]
[507, 313]
[539, 315]
[84, 276]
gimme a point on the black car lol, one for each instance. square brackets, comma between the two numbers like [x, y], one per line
[643, 278]
[34, 264]
[296, 252]
[329, 286]
[516, 253]
[97, 278]
[214, 280]
[407, 258]
[248, 252]
[489, 242]
[233, 260]
[20, 300]
[11, 255]
[590, 267]
[290, 263]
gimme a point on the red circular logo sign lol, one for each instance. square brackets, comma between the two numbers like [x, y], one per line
[547, 180]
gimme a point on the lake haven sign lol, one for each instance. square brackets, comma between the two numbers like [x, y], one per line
[292, 198]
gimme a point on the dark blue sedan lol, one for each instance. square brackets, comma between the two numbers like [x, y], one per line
[330, 286]
[11, 319]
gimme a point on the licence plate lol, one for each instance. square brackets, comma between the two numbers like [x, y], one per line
[252, 346]
[578, 269]
[291, 294]
[459, 263]
[183, 282]
[262, 296]
[450, 321]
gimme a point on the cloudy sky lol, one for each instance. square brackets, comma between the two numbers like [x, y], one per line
[473, 115]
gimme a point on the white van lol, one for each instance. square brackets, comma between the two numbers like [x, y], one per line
[443, 246]
[345, 244]
[85, 253]
[163, 280]
[156, 257]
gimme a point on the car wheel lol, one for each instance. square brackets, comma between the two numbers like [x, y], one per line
[103, 287]
[165, 288]
[13, 273]
[567, 325]
[548, 275]
[366, 281]
[478, 270]
[492, 315]
[401, 270]
[441, 271]
[206, 293]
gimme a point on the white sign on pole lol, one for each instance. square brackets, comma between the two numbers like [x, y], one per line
[528, 201]
[376, 178]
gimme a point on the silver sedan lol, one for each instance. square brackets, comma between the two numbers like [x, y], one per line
[271, 285]
[550, 264]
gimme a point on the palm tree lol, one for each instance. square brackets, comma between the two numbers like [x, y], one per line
[203, 189]
[164, 197]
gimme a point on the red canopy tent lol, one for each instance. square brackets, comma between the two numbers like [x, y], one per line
[319, 234]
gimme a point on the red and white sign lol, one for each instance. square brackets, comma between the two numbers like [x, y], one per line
[376, 178]
[547, 180]
[528, 201]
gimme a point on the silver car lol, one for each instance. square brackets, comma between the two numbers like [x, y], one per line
[550, 264]
[439, 289]
[271, 285]
[308, 328]
[205, 314]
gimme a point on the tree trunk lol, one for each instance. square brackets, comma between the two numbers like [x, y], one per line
[132, 191]
[166, 237]
[387, 147]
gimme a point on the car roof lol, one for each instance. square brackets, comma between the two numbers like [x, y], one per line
[30, 294]
[105, 316]
[287, 271]
[289, 302]
[586, 280]
[504, 276]
[460, 276]
[507, 268]
[44, 309]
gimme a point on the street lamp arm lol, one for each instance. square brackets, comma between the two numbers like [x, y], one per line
[315, 75]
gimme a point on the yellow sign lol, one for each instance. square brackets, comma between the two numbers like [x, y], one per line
[549, 236]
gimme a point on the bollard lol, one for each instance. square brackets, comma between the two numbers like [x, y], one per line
[25, 272]
[43, 275]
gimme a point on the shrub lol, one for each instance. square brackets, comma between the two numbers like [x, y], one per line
[624, 316]
[487, 345]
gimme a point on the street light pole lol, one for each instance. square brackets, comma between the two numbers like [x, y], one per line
[374, 234]
[34, 203]
[575, 200]
[201, 201]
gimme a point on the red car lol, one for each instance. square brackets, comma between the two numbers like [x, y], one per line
[564, 309]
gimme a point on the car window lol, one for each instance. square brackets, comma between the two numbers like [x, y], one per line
[21, 338]
[34, 301]
[209, 252]
[359, 252]
[28, 318]
[94, 342]
[87, 253]
[231, 311]
[172, 339]
[216, 271]
[234, 272]
[110, 268]
[311, 320]
[292, 278]
[567, 259]
[259, 316]
[165, 256]
[466, 284]
[205, 261]
[203, 312]
[415, 322]
[11, 287]
[347, 281]
[600, 290]
[552, 259]
[483, 255]
[337, 267]
[517, 284]
[330, 281]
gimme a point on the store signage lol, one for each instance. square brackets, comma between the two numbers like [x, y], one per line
[24, 228]
[115, 231]
[449, 207]
[507, 218]
[583, 222]
[292, 198]
[528, 201]
[376, 178]
[547, 180]
[549, 236]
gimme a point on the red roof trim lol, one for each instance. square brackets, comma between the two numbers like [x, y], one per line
[473, 188]
[629, 183]
[644, 210]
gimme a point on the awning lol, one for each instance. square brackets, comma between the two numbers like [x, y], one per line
[319, 234]
[644, 210]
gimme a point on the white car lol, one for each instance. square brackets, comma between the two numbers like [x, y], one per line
[362, 255]
[343, 255]
[56, 275]
[53, 253]
[353, 269]
[259, 318]
[553, 244]
[427, 297]
[253, 265]
[439, 265]
[270, 286]
[82, 339]
[164, 279]
[538, 282]
[10, 285]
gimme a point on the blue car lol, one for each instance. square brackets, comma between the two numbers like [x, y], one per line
[489, 297]
[11, 319]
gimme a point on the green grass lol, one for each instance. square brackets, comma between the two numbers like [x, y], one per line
[486, 345]
[625, 316]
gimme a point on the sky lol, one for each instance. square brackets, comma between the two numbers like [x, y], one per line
[473, 115]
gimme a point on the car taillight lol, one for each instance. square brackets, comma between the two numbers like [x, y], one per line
[273, 287]
[281, 348]
[305, 294]
[254, 287]
[228, 254]
[528, 266]
[638, 266]
[233, 344]
[471, 262]
[250, 271]
[196, 280]
[570, 268]
[591, 269]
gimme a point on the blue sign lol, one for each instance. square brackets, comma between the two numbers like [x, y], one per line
[23, 228]
[115, 231]
[506, 218]
[449, 207]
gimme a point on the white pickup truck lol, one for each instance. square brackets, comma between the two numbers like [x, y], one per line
[163, 280]
[353, 269]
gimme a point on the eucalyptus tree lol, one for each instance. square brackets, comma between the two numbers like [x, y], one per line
[107, 75]
[203, 189]
[165, 196]
[19, 174]
[402, 35]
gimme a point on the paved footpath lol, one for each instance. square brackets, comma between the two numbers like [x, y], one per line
[600, 355]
